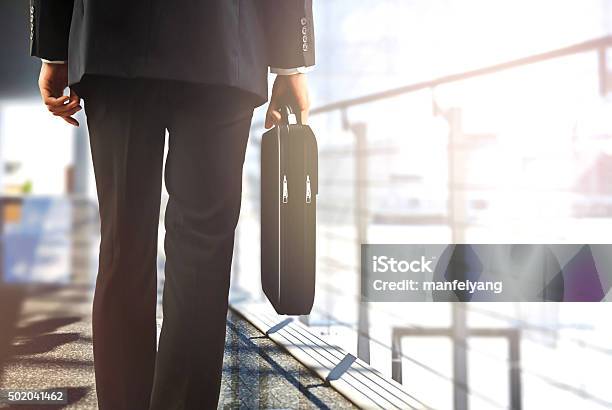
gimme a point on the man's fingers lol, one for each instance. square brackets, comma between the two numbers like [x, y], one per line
[52, 82]
[64, 105]
[74, 96]
[303, 104]
[49, 100]
[304, 116]
[293, 90]
[71, 121]
[49, 94]
[56, 104]
[268, 122]
[276, 117]
[64, 108]
[68, 113]
[273, 117]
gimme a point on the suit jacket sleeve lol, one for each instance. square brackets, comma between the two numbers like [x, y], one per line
[289, 33]
[50, 28]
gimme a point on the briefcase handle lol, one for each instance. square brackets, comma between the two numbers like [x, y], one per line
[288, 116]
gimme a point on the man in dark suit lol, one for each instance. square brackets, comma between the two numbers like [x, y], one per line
[196, 69]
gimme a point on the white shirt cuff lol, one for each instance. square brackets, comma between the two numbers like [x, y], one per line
[53, 62]
[291, 71]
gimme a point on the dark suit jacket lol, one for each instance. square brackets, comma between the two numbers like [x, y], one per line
[222, 42]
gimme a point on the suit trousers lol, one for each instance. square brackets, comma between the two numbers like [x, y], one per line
[208, 128]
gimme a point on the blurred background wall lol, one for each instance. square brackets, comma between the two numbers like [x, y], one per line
[439, 121]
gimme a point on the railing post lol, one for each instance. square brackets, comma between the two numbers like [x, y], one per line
[605, 71]
[460, 372]
[396, 357]
[361, 222]
[514, 346]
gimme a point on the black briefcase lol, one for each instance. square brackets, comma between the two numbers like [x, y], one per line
[289, 186]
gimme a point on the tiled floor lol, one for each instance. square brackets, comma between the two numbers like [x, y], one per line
[259, 375]
[52, 343]
[53, 349]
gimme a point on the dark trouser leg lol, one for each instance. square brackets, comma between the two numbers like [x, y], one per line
[127, 145]
[208, 135]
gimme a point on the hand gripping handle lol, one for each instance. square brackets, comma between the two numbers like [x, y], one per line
[288, 116]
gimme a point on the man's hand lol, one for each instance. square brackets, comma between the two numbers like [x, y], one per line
[288, 89]
[52, 82]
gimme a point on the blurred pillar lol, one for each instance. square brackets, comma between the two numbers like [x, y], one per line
[81, 212]
[607, 15]
[604, 54]
[603, 72]
[80, 176]
[1, 167]
[11, 297]
[456, 177]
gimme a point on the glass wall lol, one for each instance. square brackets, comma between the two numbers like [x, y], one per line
[521, 154]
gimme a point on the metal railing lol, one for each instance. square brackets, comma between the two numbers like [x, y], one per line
[361, 213]
[599, 45]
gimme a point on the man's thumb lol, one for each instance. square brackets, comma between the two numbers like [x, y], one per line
[273, 116]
